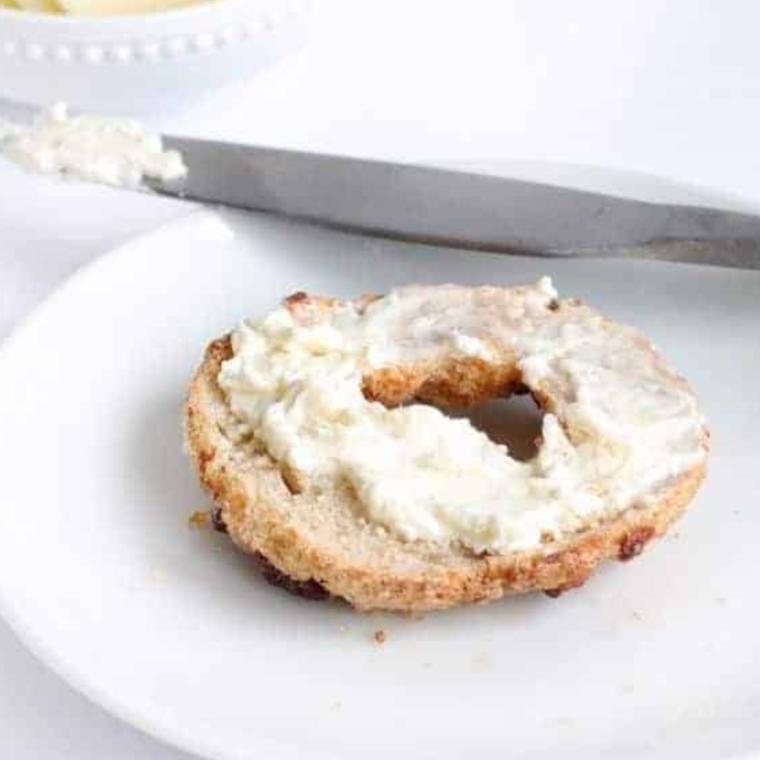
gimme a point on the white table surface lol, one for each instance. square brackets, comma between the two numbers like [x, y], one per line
[668, 88]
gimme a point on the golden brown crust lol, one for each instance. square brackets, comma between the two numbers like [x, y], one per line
[249, 491]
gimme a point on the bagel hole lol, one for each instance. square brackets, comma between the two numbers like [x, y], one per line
[514, 422]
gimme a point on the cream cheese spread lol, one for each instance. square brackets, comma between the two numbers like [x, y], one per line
[622, 424]
[92, 148]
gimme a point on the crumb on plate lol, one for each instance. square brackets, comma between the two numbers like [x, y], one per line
[198, 519]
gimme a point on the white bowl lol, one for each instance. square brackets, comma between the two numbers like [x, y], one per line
[144, 62]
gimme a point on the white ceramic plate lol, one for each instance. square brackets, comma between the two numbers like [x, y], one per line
[171, 629]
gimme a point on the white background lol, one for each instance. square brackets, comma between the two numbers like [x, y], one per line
[670, 88]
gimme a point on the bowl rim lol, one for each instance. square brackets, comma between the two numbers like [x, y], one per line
[202, 11]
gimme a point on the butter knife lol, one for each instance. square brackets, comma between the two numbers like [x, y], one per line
[452, 208]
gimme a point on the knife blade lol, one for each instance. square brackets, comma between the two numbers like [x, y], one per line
[458, 208]
[452, 208]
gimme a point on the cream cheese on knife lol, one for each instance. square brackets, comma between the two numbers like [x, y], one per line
[105, 150]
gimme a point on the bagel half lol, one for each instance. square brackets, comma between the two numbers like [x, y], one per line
[315, 543]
